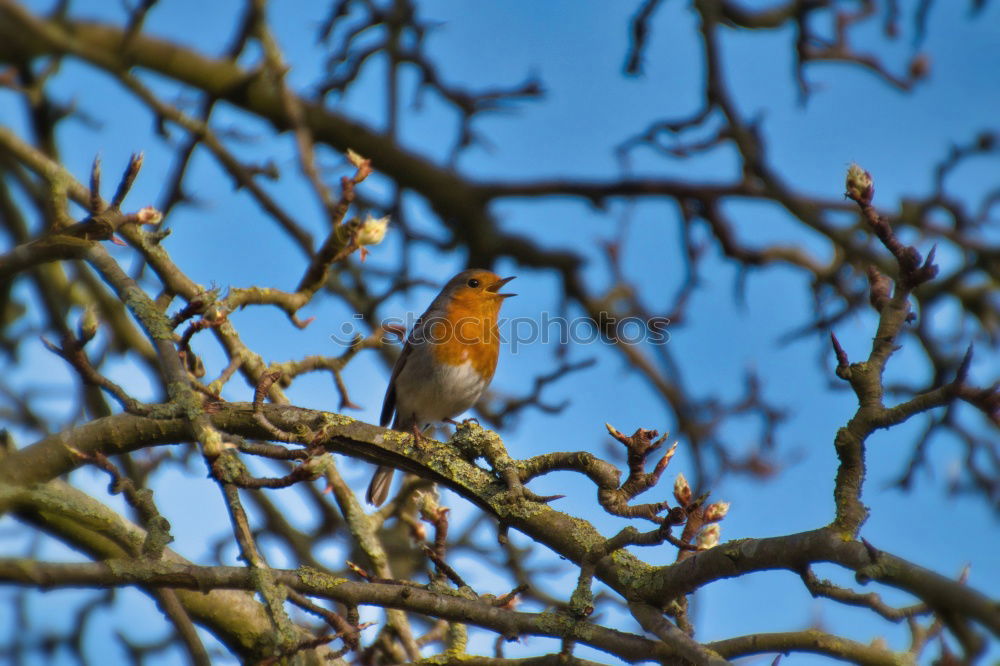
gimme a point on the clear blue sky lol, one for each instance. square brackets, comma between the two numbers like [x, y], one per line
[577, 49]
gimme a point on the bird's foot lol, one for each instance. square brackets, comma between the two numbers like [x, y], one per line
[419, 438]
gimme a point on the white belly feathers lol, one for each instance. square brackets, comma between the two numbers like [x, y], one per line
[445, 391]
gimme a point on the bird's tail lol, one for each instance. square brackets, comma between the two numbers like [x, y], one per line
[378, 489]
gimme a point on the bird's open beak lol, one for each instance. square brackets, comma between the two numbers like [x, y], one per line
[496, 286]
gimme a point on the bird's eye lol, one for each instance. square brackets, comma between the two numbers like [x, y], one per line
[473, 282]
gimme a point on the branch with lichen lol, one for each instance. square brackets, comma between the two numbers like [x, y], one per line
[866, 378]
[464, 209]
[571, 537]
[71, 241]
[92, 528]
[344, 238]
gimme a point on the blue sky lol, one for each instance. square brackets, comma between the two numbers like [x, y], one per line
[577, 49]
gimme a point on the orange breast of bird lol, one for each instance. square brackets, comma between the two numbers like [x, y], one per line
[471, 335]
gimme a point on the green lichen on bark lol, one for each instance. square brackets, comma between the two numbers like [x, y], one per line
[148, 314]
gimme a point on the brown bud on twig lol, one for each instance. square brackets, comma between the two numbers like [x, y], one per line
[963, 368]
[355, 158]
[842, 362]
[913, 269]
[88, 325]
[920, 67]
[263, 386]
[510, 600]
[614, 432]
[128, 178]
[363, 166]
[682, 491]
[358, 570]
[667, 457]
[95, 187]
[927, 271]
[879, 289]
[194, 306]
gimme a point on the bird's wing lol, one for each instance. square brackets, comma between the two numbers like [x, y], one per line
[389, 401]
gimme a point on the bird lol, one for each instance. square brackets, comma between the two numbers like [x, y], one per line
[447, 361]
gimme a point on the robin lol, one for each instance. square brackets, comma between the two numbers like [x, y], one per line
[447, 362]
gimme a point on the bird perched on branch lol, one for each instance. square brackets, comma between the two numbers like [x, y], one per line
[447, 362]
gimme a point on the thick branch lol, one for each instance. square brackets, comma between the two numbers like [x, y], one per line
[570, 537]
[510, 624]
[235, 617]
